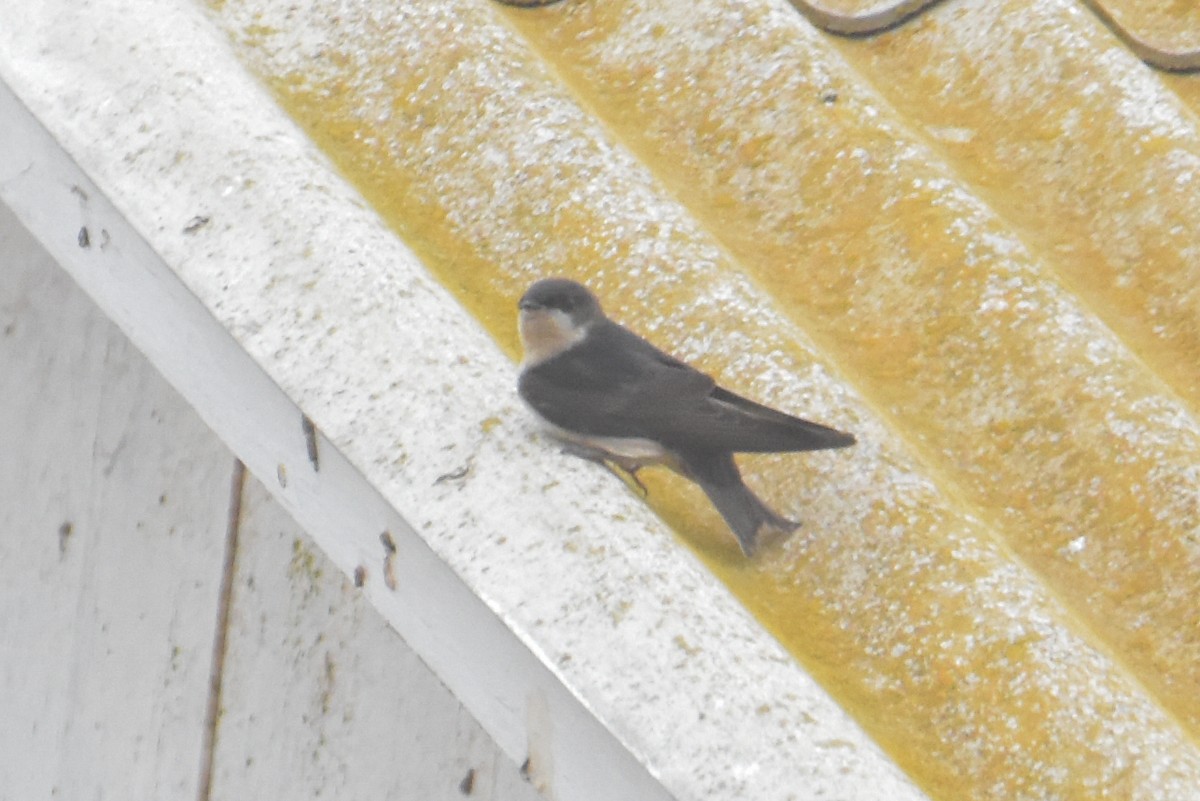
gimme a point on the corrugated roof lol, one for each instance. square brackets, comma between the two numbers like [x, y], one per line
[970, 239]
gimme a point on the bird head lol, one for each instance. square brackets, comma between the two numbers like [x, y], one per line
[555, 313]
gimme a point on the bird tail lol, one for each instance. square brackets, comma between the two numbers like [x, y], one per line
[719, 477]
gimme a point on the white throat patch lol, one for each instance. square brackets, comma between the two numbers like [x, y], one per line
[546, 333]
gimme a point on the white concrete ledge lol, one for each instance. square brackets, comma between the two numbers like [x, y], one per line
[556, 607]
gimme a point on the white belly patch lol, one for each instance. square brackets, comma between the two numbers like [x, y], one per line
[628, 451]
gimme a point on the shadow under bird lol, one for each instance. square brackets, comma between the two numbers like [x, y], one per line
[611, 396]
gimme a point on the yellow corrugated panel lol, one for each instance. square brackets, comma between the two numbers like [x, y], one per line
[1082, 148]
[994, 576]
[955, 323]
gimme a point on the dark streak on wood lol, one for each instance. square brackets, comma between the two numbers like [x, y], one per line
[389, 544]
[224, 604]
[310, 441]
[64, 534]
[389, 571]
[389, 559]
[467, 785]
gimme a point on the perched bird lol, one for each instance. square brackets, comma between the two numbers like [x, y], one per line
[611, 396]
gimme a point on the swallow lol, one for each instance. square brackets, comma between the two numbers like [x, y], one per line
[611, 396]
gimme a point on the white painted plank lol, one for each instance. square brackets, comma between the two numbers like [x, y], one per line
[106, 628]
[113, 501]
[321, 697]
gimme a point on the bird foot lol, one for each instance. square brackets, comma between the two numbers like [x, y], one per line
[624, 471]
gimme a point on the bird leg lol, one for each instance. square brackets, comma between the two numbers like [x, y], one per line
[622, 469]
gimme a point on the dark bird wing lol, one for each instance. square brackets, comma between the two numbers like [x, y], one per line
[758, 428]
[616, 384]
